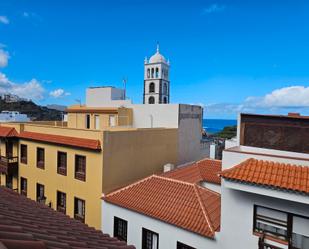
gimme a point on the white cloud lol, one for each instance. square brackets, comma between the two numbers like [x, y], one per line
[293, 96]
[59, 93]
[4, 20]
[279, 101]
[26, 14]
[30, 90]
[4, 58]
[213, 8]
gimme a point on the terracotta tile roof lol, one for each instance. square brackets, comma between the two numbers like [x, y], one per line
[203, 170]
[7, 132]
[27, 224]
[269, 173]
[65, 140]
[182, 204]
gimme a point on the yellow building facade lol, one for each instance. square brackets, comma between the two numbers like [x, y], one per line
[68, 166]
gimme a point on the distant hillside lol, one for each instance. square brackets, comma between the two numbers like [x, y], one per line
[228, 132]
[57, 107]
[35, 112]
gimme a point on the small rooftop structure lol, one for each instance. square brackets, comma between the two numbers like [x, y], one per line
[27, 224]
[105, 96]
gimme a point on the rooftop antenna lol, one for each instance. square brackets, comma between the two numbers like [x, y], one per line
[124, 81]
[79, 102]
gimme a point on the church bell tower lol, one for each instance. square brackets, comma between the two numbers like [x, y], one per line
[156, 79]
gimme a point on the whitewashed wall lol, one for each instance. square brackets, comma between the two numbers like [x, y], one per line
[168, 234]
[237, 216]
[156, 115]
[105, 97]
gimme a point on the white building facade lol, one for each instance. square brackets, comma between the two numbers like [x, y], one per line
[269, 210]
[13, 116]
[168, 236]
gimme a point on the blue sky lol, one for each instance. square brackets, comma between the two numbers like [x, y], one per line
[230, 56]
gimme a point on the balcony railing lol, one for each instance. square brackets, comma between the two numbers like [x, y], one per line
[265, 245]
[80, 176]
[79, 217]
[9, 165]
[61, 209]
[62, 171]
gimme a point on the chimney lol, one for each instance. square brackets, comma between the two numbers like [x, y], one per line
[168, 167]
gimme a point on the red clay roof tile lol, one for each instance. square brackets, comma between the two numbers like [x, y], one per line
[65, 140]
[268, 173]
[27, 224]
[182, 204]
[7, 132]
[203, 170]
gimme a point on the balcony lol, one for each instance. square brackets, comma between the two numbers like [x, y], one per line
[9, 165]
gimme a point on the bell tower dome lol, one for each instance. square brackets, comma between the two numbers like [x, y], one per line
[156, 79]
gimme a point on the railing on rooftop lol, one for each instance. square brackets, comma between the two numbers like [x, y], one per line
[9, 165]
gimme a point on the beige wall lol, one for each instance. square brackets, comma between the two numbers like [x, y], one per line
[123, 117]
[135, 154]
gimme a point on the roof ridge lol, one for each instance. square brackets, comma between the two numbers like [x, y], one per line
[207, 189]
[208, 159]
[174, 180]
[129, 186]
[204, 210]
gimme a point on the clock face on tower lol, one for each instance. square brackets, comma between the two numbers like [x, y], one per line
[156, 83]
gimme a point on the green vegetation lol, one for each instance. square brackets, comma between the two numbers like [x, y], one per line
[228, 132]
[35, 112]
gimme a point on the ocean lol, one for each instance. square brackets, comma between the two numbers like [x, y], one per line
[216, 125]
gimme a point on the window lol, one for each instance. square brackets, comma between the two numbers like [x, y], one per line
[88, 121]
[150, 240]
[165, 100]
[157, 72]
[152, 87]
[120, 228]
[23, 186]
[61, 202]
[9, 181]
[148, 73]
[9, 149]
[112, 120]
[270, 222]
[164, 88]
[40, 158]
[152, 73]
[151, 100]
[23, 153]
[80, 167]
[79, 209]
[183, 246]
[97, 122]
[62, 163]
[281, 225]
[40, 196]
